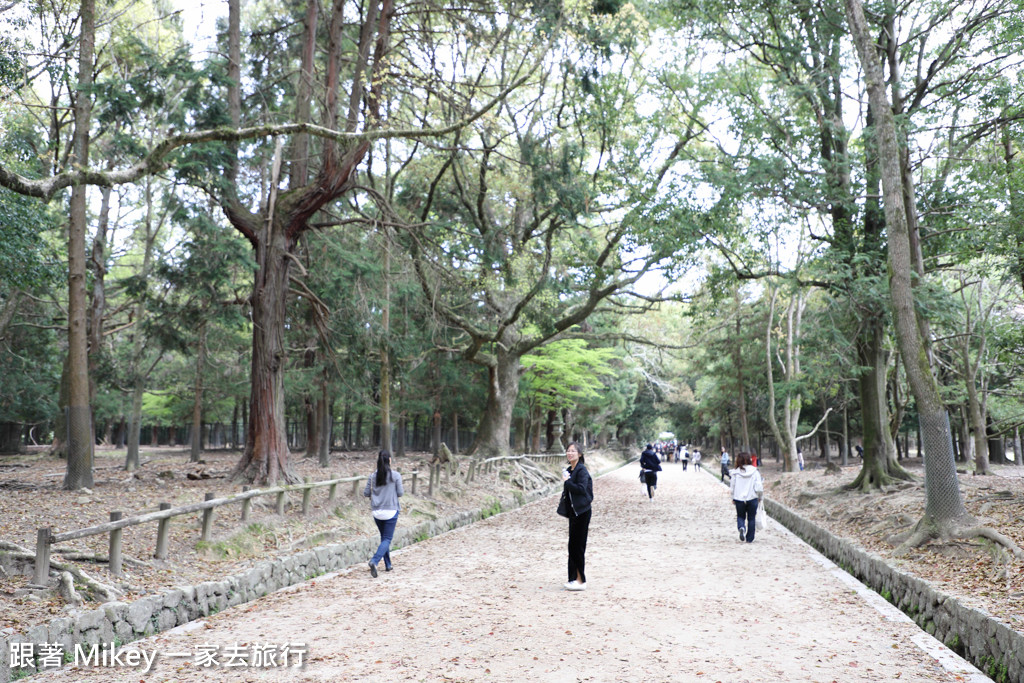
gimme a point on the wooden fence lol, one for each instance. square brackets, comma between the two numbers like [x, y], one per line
[46, 539]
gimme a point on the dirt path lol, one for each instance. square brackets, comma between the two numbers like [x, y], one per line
[672, 596]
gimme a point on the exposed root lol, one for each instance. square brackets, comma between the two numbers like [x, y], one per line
[103, 592]
[78, 556]
[875, 479]
[927, 530]
[991, 534]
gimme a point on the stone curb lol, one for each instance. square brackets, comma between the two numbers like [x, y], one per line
[125, 622]
[985, 641]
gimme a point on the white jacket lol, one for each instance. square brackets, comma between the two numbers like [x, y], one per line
[745, 483]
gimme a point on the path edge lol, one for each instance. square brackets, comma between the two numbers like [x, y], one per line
[122, 622]
[982, 639]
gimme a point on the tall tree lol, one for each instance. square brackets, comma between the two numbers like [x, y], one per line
[79, 413]
[351, 87]
[945, 515]
[522, 237]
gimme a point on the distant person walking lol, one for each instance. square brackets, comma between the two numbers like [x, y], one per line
[685, 457]
[649, 468]
[384, 488]
[800, 458]
[747, 488]
[696, 460]
[577, 496]
[725, 460]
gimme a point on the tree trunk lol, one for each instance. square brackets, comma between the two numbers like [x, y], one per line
[741, 390]
[455, 432]
[880, 466]
[196, 450]
[312, 407]
[79, 412]
[944, 504]
[325, 423]
[435, 433]
[502, 390]
[400, 436]
[98, 303]
[385, 355]
[265, 459]
[846, 436]
[59, 448]
[977, 417]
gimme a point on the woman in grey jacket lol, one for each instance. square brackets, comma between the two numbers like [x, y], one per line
[384, 488]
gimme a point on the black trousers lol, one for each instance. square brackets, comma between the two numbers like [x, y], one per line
[579, 526]
[651, 479]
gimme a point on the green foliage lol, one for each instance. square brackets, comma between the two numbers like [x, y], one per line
[30, 370]
[27, 261]
[565, 373]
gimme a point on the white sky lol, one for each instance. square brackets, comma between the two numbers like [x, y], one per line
[200, 20]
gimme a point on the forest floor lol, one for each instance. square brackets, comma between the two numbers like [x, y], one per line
[31, 497]
[973, 571]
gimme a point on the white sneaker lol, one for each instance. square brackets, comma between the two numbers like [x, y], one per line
[573, 586]
[569, 585]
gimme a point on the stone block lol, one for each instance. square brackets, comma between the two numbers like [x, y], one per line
[172, 598]
[139, 615]
[89, 621]
[166, 619]
[115, 611]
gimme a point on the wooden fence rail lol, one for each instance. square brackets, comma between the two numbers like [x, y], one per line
[46, 539]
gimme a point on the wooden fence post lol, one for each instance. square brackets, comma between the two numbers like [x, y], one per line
[42, 572]
[415, 474]
[161, 534]
[430, 488]
[280, 503]
[332, 494]
[246, 504]
[207, 518]
[114, 562]
[306, 493]
[355, 487]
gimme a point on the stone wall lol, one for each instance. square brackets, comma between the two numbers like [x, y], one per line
[119, 622]
[988, 643]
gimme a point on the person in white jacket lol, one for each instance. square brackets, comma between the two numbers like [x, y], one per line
[747, 488]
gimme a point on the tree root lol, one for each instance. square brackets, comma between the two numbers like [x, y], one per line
[928, 529]
[102, 591]
[78, 556]
[873, 479]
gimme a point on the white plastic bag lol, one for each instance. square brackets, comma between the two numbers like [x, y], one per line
[759, 519]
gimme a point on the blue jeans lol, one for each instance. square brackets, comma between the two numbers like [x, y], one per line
[387, 532]
[746, 509]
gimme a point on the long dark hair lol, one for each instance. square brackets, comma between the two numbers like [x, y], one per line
[383, 468]
[742, 460]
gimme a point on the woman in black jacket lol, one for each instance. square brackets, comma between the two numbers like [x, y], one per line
[578, 490]
[649, 468]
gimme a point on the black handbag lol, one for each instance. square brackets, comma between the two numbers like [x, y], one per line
[563, 505]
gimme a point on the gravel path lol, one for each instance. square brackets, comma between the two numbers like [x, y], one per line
[672, 596]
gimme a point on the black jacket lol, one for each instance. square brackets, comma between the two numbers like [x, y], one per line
[649, 461]
[580, 489]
